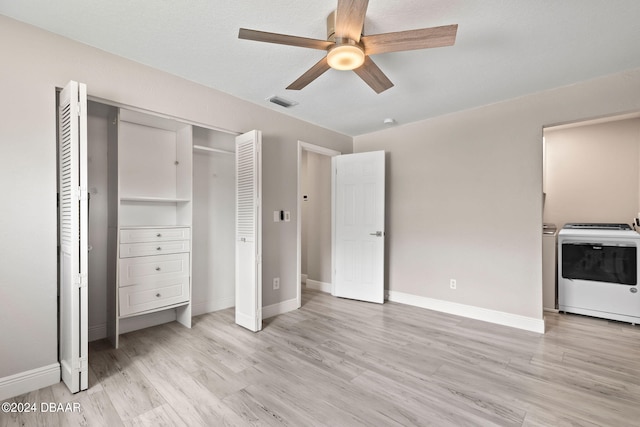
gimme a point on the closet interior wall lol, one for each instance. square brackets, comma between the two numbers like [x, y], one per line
[98, 186]
[213, 243]
[214, 218]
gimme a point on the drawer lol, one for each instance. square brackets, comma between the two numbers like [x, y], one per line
[150, 296]
[139, 235]
[151, 269]
[128, 250]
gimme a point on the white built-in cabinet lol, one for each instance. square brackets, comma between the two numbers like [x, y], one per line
[161, 220]
[150, 218]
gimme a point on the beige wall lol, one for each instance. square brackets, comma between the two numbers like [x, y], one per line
[34, 64]
[464, 194]
[592, 173]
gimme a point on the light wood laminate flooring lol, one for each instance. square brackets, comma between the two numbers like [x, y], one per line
[338, 362]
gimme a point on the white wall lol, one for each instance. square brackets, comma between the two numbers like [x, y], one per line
[464, 197]
[592, 173]
[36, 63]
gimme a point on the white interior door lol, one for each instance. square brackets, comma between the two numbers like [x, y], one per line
[248, 231]
[359, 226]
[72, 118]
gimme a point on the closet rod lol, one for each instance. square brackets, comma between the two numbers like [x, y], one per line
[213, 150]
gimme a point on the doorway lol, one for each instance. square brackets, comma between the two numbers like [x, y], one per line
[315, 225]
[591, 174]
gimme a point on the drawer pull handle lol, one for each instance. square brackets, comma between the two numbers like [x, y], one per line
[158, 235]
[158, 295]
[157, 268]
[158, 248]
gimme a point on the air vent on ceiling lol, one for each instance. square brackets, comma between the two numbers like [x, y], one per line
[283, 102]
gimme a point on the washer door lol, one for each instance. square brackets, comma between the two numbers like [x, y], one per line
[599, 262]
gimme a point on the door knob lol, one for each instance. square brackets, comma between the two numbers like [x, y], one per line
[377, 234]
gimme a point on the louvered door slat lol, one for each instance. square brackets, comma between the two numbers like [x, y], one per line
[246, 191]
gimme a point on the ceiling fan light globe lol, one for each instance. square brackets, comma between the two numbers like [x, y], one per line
[345, 57]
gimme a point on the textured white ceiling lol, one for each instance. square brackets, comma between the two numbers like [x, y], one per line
[504, 49]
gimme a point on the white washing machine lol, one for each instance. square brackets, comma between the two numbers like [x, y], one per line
[598, 271]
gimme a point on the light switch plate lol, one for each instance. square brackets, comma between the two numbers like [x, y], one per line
[276, 216]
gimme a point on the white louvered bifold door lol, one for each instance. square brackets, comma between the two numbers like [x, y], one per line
[72, 141]
[248, 231]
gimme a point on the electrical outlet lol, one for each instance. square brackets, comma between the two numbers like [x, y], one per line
[276, 283]
[287, 216]
[453, 284]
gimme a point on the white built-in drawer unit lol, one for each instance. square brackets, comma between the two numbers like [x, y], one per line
[153, 269]
[152, 295]
[128, 250]
[160, 234]
[150, 169]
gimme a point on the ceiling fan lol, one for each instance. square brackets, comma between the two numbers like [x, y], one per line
[348, 49]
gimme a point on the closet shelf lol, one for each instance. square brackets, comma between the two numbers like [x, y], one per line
[212, 150]
[180, 304]
[153, 199]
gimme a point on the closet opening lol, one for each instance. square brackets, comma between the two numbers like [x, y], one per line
[207, 209]
[214, 180]
[315, 228]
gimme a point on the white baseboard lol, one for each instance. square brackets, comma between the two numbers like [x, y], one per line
[211, 306]
[303, 278]
[280, 308]
[97, 332]
[478, 313]
[24, 382]
[319, 286]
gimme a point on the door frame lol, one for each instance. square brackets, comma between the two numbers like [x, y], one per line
[305, 146]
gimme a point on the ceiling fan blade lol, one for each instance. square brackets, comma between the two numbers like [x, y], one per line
[312, 74]
[410, 40]
[373, 76]
[350, 18]
[262, 36]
